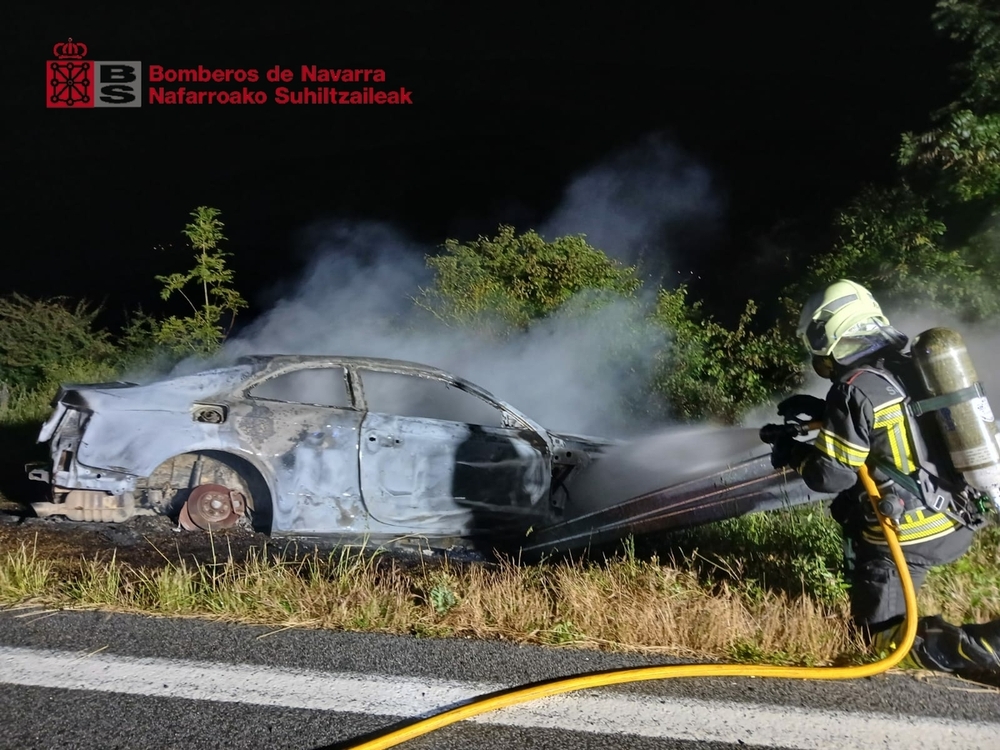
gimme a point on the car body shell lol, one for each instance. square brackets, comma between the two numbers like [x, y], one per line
[366, 459]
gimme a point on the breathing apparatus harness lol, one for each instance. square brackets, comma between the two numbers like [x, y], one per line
[964, 508]
[967, 506]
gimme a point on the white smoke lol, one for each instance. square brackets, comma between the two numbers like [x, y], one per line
[634, 204]
[357, 300]
[570, 372]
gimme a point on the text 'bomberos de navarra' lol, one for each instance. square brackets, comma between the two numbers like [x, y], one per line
[341, 86]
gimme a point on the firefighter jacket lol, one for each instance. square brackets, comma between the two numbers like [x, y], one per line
[866, 422]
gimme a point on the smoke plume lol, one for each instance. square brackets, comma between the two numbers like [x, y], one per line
[638, 204]
[570, 372]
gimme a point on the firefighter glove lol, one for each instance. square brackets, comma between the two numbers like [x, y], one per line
[781, 452]
[795, 406]
[788, 452]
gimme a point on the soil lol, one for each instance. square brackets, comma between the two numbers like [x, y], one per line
[145, 541]
[155, 541]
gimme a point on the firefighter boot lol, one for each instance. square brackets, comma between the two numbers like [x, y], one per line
[986, 638]
[969, 651]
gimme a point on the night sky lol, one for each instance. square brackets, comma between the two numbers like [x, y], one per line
[792, 106]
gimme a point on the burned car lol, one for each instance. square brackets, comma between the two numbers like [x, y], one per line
[305, 445]
[351, 449]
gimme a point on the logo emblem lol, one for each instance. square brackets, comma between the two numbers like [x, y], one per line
[71, 82]
[70, 77]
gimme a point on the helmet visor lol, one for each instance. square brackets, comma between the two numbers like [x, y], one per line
[871, 336]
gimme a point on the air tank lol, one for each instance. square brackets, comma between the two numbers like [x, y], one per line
[968, 428]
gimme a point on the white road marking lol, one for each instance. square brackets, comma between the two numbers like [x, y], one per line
[588, 711]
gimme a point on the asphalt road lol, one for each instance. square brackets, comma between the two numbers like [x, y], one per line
[95, 680]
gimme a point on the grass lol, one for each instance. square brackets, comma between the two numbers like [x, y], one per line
[796, 551]
[968, 590]
[799, 551]
[24, 575]
[621, 603]
[754, 597]
[763, 595]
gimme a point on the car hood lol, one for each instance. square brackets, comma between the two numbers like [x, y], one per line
[568, 448]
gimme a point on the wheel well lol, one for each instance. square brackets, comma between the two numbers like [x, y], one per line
[168, 487]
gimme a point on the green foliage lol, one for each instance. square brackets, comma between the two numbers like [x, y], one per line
[202, 331]
[508, 281]
[33, 404]
[922, 236]
[930, 236]
[25, 575]
[713, 371]
[963, 151]
[799, 550]
[747, 651]
[887, 236]
[889, 241]
[562, 633]
[968, 590]
[442, 596]
[42, 340]
[138, 336]
[49, 342]
[976, 23]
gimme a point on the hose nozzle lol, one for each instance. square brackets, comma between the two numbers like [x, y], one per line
[772, 433]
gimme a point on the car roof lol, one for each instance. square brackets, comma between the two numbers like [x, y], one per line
[274, 361]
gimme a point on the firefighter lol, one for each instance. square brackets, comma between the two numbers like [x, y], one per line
[865, 422]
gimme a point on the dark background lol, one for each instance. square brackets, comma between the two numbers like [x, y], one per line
[793, 106]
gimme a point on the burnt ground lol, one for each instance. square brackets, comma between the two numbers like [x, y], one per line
[155, 541]
[142, 542]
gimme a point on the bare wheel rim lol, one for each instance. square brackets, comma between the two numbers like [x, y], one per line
[211, 507]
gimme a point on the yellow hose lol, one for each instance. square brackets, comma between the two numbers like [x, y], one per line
[503, 699]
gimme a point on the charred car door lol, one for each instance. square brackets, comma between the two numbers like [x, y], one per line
[439, 458]
[304, 424]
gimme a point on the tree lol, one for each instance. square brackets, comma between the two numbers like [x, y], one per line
[202, 331]
[710, 371]
[41, 340]
[975, 23]
[507, 281]
[962, 149]
[887, 239]
[930, 236]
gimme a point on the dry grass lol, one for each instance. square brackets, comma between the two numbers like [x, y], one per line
[768, 592]
[621, 604]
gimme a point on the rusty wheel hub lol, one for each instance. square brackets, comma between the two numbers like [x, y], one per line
[211, 507]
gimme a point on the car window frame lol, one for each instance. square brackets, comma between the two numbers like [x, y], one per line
[349, 385]
[521, 422]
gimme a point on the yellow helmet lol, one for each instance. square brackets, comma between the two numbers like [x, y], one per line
[845, 322]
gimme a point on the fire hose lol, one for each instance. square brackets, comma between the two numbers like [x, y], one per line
[545, 689]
